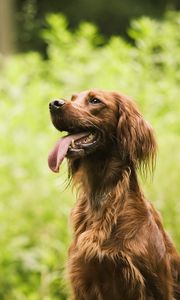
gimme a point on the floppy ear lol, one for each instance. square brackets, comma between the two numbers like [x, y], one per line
[136, 139]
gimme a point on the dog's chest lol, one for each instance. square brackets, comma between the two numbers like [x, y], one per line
[103, 279]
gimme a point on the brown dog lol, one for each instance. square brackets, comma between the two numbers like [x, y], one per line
[120, 249]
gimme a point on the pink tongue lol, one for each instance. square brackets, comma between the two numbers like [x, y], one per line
[59, 152]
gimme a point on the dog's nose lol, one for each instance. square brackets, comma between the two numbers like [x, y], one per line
[55, 104]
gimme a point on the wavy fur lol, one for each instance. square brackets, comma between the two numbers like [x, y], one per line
[120, 250]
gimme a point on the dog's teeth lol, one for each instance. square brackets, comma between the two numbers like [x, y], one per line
[73, 144]
[90, 137]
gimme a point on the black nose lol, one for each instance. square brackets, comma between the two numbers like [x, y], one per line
[56, 104]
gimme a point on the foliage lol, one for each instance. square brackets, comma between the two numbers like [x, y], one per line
[112, 17]
[34, 204]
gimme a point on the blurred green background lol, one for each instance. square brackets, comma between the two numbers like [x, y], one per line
[55, 56]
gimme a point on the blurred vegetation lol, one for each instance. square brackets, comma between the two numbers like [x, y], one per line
[34, 204]
[111, 17]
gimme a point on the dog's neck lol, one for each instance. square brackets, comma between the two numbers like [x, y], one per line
[99, 176]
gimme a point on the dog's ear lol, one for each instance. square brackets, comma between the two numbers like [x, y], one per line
[135, 136]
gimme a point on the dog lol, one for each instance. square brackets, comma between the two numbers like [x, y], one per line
[120, 250]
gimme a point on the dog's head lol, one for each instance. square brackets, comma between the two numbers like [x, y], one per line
[98, 121]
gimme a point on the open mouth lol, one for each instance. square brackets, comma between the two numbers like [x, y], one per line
[72, 145]
[83, 142]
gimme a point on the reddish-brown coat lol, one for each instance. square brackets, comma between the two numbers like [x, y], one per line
[120, 250]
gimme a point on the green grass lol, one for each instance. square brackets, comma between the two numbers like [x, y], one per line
[34, 205]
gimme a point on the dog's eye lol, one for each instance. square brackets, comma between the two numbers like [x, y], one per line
[94, 101]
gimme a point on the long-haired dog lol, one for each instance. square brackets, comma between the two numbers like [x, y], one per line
[120, 250]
